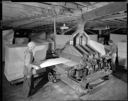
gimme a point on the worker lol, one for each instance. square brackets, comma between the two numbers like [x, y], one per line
[29, 70]
[50, 52]
[113, 54]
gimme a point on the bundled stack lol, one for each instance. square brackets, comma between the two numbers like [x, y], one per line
[14, 59]
[21, 41]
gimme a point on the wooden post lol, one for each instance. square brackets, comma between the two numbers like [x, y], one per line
[54, 32]
[99, 34]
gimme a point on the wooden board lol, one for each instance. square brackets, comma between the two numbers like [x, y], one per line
[51, 62]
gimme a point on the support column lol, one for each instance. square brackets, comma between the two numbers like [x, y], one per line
[100, 32]
[54, 33]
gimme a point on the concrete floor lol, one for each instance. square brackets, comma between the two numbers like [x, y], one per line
[113, 89]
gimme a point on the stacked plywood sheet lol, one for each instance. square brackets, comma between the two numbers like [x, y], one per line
[7, 38]
[21, 40]
[118, 38]
[122, 54]
[14, 59]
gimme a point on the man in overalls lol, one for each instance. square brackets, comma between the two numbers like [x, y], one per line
[29, 70]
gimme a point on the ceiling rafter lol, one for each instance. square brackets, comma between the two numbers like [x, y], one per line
[69, 6]
[57, 4]
[103, 23]
[108, 19]
[35, 4]
[28, 21]
[119, 20]
[43, 9]
[22, 7]
[105, 10]
[81, 4]
[108, 22]
[117, 16]
[113, 21]
[48, 23]
[61, 19]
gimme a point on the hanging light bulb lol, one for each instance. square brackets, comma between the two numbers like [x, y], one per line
[107, 27]
[64, 27]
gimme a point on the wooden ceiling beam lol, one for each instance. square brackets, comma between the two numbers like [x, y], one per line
[62, 4]
[111, 26]
[112, 17]
[108, 22]
[23, 10]
[104, 23]
[120, 20]
[116, 22]
[86, 3]
[108, 9]
[35, 4]
[81, 4]
[47, 21]
[18, 23]
[105, 10]
[38, 25]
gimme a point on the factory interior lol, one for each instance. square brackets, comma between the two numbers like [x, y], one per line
[80, 51]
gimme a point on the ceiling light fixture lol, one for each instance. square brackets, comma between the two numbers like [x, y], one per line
[107, 27]
[64, 27]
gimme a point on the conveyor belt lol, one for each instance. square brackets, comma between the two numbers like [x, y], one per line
[81, 52]
[79, 46]
[87, 52]
[84, 49]
[91, 49]
[87, 48]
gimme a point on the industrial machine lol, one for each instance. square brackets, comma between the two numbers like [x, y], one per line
[85, 66]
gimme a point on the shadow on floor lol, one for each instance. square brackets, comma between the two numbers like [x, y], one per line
[121, 73]
[42, 81]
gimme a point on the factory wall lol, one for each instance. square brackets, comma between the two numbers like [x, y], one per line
[122, 54]
[118, 38]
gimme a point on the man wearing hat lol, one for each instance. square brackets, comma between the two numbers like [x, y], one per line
[29, 69]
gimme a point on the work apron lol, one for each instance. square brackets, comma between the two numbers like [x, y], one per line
[28, 83]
